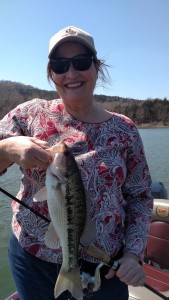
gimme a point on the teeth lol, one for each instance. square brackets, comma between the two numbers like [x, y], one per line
[73, 85]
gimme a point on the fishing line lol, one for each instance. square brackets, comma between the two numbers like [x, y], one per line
[25, 205]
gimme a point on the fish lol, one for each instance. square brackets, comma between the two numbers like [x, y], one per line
[66, 198]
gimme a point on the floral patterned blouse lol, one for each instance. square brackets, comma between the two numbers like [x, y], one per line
[113, 168]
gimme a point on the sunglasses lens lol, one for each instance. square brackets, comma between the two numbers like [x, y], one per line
[60, 66]
[82, 64]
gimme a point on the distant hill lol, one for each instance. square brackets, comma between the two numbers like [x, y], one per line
[14, 93]
[150, 112]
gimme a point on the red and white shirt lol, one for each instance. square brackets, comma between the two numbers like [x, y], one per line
[114, 171]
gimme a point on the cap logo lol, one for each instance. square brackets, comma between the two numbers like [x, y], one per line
[70, 31]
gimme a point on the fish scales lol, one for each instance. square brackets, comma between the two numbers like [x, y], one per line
[75, 207]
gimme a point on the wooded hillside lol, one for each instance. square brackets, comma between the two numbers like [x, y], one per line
[150, 112]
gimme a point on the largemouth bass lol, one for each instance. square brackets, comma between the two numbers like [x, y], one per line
[67, 209]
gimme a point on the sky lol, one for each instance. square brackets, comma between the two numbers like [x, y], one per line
[132, 36]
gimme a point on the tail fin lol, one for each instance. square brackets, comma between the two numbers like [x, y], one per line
[69, 281]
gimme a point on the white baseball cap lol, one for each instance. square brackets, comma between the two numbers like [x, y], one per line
[71, 33]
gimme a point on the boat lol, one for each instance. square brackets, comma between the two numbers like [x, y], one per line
[158, 190]
[14, 296]
[156, 262]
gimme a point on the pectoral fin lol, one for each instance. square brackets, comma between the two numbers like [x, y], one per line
[41, 195]
[52, 239]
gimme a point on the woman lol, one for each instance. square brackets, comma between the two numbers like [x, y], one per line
[110, 156]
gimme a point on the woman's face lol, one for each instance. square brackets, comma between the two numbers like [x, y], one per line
[75, 87]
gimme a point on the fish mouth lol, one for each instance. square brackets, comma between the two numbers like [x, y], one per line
[61, 147]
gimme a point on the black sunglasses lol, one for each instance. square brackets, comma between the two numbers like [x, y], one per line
[79, 62]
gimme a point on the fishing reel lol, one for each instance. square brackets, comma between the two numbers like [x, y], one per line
[93, 283]
[90, 283]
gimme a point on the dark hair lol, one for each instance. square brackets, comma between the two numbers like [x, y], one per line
[100, 65]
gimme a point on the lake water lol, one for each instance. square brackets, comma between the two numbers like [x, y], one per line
[156, 144]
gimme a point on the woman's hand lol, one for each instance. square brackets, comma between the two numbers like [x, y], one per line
[130, 271]
[27, 152]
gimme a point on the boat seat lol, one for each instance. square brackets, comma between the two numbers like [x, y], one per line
[157, 249]
[157, 279]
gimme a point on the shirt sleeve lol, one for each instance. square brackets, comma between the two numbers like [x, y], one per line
[138, 197]
[13, 124]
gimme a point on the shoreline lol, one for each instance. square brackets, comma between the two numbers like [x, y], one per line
[151, 125]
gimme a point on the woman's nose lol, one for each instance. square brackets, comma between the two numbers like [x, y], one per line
[72, 72]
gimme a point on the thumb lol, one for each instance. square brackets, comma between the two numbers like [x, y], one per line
[110, 273]
[41, 143]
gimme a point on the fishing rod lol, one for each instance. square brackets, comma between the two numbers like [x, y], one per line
[112, 264]
[25, 205]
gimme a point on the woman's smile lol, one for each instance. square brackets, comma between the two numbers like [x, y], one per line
[74, 85]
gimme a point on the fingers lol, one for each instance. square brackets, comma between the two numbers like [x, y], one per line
[137, 280]
[36, 157]
[135, 276]
[29, 152]
[42, 155]
[131, 272]
[42, 144]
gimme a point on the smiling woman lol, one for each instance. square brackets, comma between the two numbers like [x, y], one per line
[74, 73]
[74, 68]
[113, 169]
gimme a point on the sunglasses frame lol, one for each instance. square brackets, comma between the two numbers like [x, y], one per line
[72, 60]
